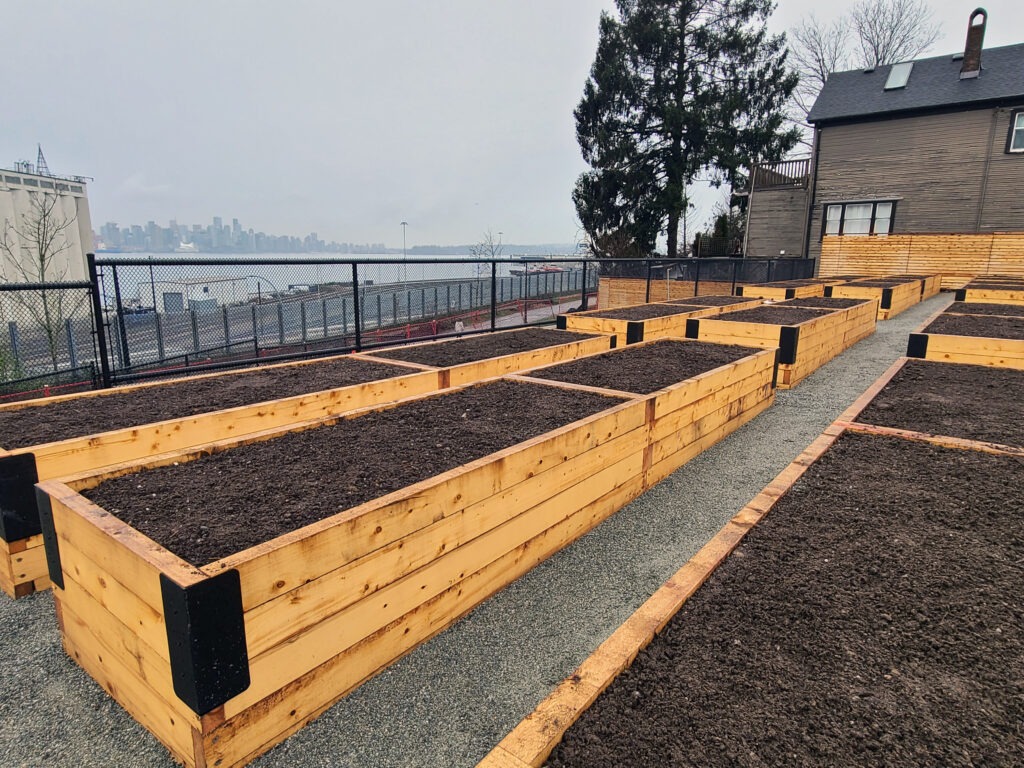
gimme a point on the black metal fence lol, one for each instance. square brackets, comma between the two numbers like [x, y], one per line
[141, 318]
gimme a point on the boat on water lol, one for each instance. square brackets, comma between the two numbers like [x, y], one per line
[187, 248]
[546, 269]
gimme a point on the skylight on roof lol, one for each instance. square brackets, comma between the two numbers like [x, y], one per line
[899, 75]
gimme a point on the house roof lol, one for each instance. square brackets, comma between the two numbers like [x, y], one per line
[934, 83]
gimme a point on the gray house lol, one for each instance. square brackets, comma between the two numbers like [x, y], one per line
[925, 148]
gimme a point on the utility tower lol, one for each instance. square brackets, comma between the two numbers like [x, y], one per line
[41, 168]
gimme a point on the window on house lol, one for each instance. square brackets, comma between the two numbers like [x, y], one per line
[1015, 141]
[867, 218]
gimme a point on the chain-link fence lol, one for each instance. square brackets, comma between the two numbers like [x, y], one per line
[46, 339]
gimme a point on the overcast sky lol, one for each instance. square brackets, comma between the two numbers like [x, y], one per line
[334, 116]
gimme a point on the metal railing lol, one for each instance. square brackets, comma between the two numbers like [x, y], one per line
[142, 318]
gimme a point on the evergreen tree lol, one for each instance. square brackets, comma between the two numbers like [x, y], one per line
[678, 88]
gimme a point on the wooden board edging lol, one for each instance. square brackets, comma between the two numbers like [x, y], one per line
[532, 740]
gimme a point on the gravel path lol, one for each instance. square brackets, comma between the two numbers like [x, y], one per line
[448, 702]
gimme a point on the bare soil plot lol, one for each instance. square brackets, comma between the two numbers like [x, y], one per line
[646, 368]
[981, 308]
[821, 302]
[974, 402]
[646, 311]
[470, 349]
[971, 325]
[63, 419]
[872, 618]
[207, 509]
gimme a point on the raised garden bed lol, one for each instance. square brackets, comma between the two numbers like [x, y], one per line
[222, 659]
[980, 308]
[821, 302]
[731, 302]
[965, 402]
[789, 289]
[994, 293]
[973, 339]
[931, 285]
[61, 436]
[871, 614]
[806, 338]
[629, 325]
[699, 392]
[474, 358]
[893, 296]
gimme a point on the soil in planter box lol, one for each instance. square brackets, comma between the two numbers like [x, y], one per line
[473, 348]
[646, 368]
[979, 308]
[973, 325]
[207, 509]
[772, 314]
[709, 301]
[646, 311]
[879, 283]
[821, 302]
[88, 415]
[996, 286]
[976, 402]
[871, 618]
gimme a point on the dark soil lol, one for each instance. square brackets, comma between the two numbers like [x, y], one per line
[130, 408]
[882, 283]
[710, 301]
[773, 314]
[976, 402]
[1013, 286]
[979, 308]
[974, 325]
[820, 302]
[226, 502]
[872, 618]
[473, 348]
[646, 311]
[646, 368]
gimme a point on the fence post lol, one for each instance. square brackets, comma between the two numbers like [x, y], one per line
[583, 280]
[647, 295]
[696, 279]
[735, 272]
[344, 316]
[380, 314]
[302, 319]
[494, 295]
[227, 328]
[126, 360]
[394, 308]
[195, 329]
[72, 352]
[12, 331]
[159, 335]
[355, 306]
[99, 327]
[771, 263]
[323, 306]
[255, 330]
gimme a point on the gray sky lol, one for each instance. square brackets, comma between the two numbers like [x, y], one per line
[339, 117]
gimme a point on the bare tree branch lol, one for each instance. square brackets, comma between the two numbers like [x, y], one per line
[889, 31]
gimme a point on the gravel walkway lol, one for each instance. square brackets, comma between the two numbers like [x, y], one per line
[448, 702]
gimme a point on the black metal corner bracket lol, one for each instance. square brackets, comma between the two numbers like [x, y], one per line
[692, 328]
[634, 331]
[960, 295]
[206, 638]
[887, 298]
[19, 518]
[917, 345]
[789, 337]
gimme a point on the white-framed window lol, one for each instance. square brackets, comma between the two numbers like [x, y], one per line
[869, 217]
[1015, 141]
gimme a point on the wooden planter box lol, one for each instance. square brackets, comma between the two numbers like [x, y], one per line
[632, 331]
[687, 418]
[781, 291]
[223, 661]
[989, 293]
[478, 370]
[22, 561]
[803, 347]
[892, 299]
[973, 350]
